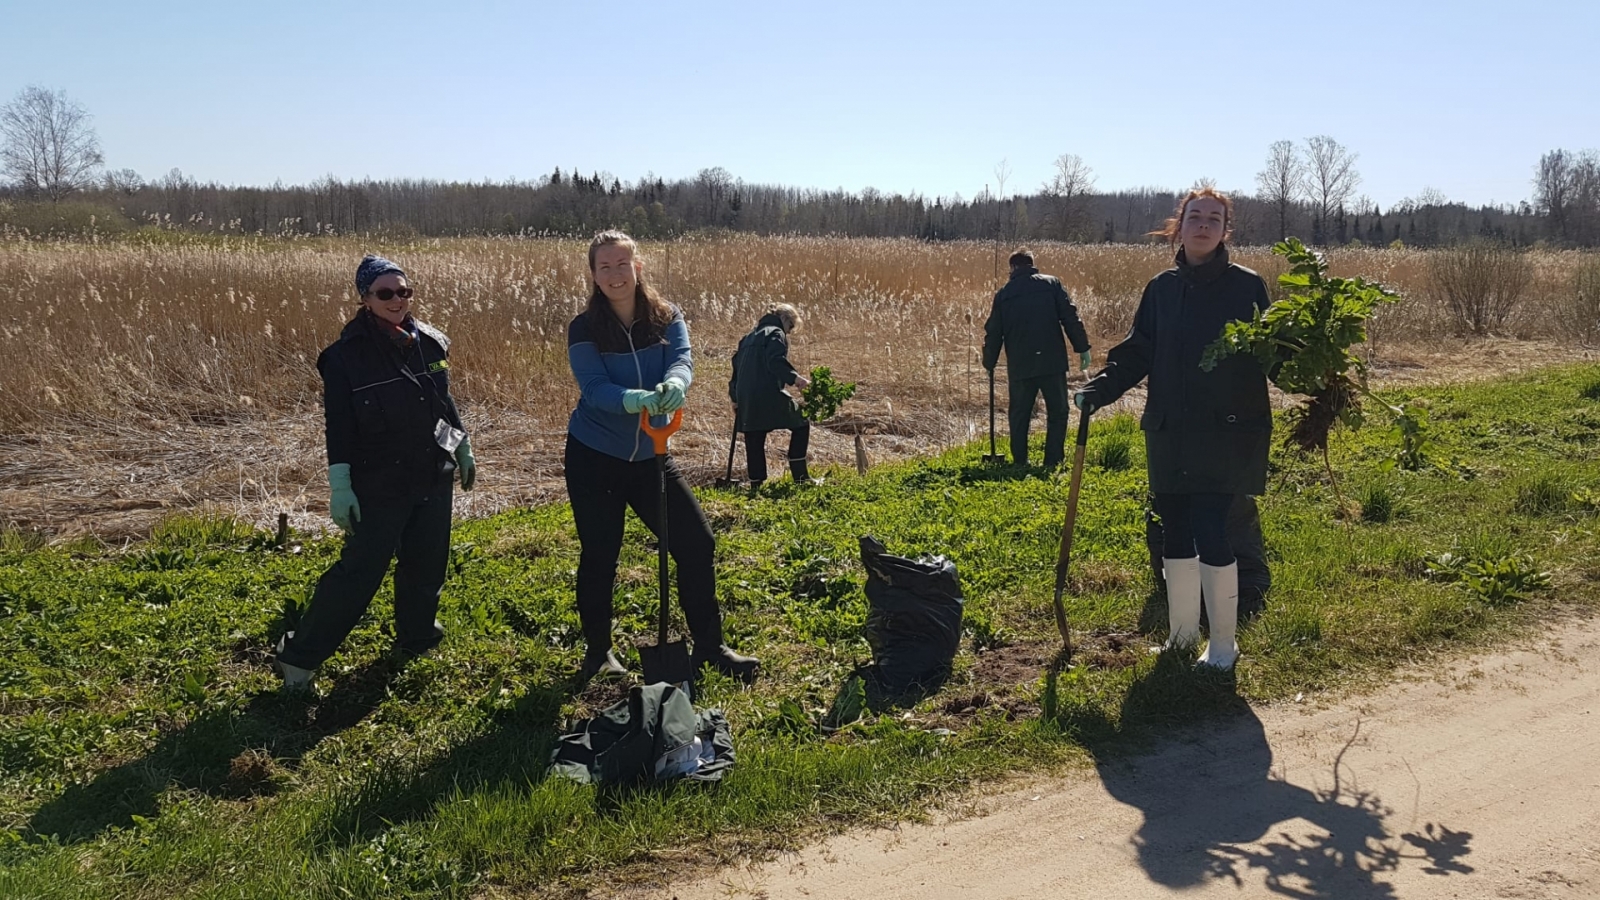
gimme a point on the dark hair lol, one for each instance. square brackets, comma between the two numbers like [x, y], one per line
[1021, 258]
[1171, 228]
[649, 310]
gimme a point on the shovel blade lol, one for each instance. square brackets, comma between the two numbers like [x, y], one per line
[667, 662]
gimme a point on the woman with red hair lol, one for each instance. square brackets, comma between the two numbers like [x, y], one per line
[1206, 433]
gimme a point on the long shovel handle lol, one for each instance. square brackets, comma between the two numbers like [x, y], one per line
[659, 437]
[733, 443]
[991, 413]
[661, 550]
[1064, 558]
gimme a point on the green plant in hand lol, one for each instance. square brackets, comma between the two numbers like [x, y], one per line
[1303, 342]
[821, 399]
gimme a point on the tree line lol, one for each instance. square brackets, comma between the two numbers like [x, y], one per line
[49, 155]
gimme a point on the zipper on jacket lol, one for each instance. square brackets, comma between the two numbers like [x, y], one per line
[639, 374]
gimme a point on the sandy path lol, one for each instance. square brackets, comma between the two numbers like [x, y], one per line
[1477, 780]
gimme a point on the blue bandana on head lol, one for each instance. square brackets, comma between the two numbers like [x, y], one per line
[372, 267]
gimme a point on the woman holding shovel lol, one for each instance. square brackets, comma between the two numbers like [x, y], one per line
[1206, 433]
[629, 352]
[761, 371]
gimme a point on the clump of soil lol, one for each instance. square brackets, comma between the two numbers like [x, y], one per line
[253, 773]
[1321, 413]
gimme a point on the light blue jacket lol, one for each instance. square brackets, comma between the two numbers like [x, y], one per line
[599, 421]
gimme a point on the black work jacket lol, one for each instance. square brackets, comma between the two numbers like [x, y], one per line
[1204, 430]
[761, 370]
[380, 405]
[1028, 318]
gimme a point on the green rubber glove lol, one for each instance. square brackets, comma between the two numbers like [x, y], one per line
[466, 464]
[343, 507]
[1084, 361]
[670, 395]
[635, 400]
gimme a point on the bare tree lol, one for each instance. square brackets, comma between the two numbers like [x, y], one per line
[1066, 190]
[1567, 189]
[1586, 198]
[49, 146]
[714, 186]
[1552, 188]
[1431, 196]
[1331, 178]
[1282, 182]
[1002, 171]
[124, 181]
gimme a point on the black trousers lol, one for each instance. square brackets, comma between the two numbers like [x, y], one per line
[1022, 394]
[1196, 525]
[602, 488]
[1244, 538]
[755, 453]
[416, 531]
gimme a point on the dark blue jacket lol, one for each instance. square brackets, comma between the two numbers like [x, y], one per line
[380, 405]
[1204, 431]
[599, 422]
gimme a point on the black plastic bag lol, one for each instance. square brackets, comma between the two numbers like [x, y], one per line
[913, 620]
[628, 741]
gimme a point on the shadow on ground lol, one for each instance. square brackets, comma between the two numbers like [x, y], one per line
[1212, 805]
[234, 752]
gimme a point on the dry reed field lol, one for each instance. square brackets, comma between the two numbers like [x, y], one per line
[144, 376]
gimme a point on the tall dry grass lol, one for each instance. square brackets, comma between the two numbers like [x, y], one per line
[227, 330]
[207, 347]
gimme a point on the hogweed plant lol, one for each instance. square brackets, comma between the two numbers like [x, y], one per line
[1303, 342]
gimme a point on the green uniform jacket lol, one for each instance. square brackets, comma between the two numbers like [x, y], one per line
[761, 369]
[1205, 432]
[1028, 318]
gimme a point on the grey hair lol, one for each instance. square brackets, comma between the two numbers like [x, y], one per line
[787, 314]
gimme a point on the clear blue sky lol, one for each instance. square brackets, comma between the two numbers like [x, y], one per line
[928, 97]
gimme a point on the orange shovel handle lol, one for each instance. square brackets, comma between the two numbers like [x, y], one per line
[659, 436]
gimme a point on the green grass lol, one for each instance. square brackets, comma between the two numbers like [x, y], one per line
[144, 751]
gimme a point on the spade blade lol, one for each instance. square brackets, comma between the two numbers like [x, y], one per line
[668, 662]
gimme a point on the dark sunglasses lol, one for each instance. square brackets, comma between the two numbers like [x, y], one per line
[384, 295]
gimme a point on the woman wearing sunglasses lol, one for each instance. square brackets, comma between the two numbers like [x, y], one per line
[395, 442]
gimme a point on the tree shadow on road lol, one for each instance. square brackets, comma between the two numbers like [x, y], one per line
[1215, 810]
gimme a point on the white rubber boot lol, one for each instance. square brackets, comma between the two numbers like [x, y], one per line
[1220, 585]
[1183, 601]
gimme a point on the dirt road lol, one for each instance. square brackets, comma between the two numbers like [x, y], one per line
[1480, 779]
